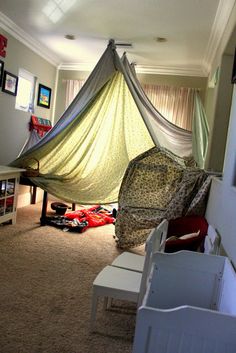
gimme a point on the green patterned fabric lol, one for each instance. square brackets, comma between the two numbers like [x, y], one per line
[86, 161]
[200, 133]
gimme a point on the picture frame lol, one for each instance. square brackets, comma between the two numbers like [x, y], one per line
[44, 96]
[1, 71]
[233, 80]
[9, 83]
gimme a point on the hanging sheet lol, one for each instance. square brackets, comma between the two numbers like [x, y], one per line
[200, 133]
[85, 161]
[31, 141]
[38, 127]
[177, 140]
[84, 156]
[163, 132]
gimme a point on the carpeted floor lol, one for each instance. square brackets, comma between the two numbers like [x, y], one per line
[46, 280]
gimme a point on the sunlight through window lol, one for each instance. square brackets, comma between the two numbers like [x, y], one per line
[25, 91]
[55, 9]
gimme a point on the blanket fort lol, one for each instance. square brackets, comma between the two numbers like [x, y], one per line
[83, 158]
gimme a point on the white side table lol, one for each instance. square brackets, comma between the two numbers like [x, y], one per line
[9, 182]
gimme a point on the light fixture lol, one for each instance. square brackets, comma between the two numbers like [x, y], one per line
[70, 36]
[161, 39]
[124, 45]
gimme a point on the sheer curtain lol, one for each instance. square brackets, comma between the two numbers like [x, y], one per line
[72, 88]
[175, 103]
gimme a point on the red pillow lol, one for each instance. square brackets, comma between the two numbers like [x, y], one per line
[185, 225]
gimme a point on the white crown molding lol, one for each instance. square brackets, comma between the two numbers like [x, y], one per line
[76, 66]
[171, 70]
[160, 70]
[10, 27]
[223, 13]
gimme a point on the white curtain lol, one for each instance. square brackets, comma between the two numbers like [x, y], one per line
[175, 103]
[72, 88]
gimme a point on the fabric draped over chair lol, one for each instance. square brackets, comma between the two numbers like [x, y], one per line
[83, 158]
[158, 185]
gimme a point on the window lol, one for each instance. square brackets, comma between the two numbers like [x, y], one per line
[26, 91]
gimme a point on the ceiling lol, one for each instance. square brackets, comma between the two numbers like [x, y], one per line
[192, 29]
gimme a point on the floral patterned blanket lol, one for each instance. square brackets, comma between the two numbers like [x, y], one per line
[157, 185]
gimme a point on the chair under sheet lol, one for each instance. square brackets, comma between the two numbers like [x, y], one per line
[157, 185]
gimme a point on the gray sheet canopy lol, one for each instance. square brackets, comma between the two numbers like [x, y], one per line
[83, 158]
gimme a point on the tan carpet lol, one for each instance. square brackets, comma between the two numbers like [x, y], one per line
[46, 280]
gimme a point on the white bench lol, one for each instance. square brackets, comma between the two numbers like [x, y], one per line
[189, 306]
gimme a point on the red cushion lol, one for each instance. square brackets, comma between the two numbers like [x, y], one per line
[185, 225]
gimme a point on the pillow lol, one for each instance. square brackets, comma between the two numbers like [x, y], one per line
[183, 237]
[190, 235]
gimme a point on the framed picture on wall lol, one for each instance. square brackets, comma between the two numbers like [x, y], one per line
[44, 96]
[1, 71]
[9, 83]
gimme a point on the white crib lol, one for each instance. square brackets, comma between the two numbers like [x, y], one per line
[189, 306]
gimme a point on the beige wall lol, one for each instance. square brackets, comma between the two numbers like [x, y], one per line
[219, 119]
[220, 211]
[218, 99]
[221, 110]
[14, 123]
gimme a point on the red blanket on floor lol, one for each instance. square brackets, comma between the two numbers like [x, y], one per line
[95, 216]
